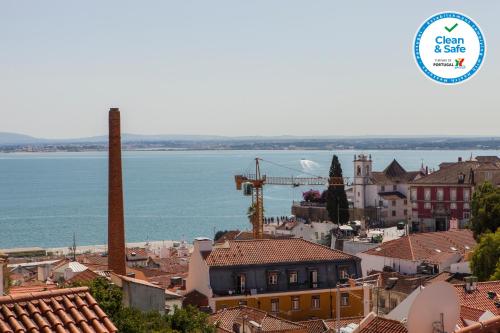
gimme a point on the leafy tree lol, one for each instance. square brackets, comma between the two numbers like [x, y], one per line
[129, 320]
[219, 234]
[485, 261]
[336, 198]
[485, 209]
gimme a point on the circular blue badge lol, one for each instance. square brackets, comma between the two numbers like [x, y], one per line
[449, 48]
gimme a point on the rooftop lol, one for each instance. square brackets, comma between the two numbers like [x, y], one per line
[479, 298]
[431, 246]
[382, 325]
[64, 310]
[272, 251]
[269, 323]
[394, 173]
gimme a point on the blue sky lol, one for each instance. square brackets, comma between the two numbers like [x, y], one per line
[235, 68]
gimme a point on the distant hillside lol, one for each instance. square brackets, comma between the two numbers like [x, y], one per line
[7, 138]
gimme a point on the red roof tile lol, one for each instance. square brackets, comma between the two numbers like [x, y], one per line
[64, 310]
[314, 325]
[479, 299]
[85, 276]
[225, 319]
[265, 251]
[427, 246]
[332, 323]
[383, 325]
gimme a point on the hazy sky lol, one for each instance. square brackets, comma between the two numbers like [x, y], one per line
[236, 68]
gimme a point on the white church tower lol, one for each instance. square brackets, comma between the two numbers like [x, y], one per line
[362, 174]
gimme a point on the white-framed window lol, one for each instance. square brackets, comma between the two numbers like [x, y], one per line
[453, 205]
[275, 305]
[316, 235]
[272, 278]
[344, 299]
[315, 302]
[427, 205]
[466, 205]
[413, 194]
[344, 272]
[440, 194]
[414, 205]
[466, 215]
[293, 277]
[427, 194]
[453, 194]
[466, 194]
[313, 278]
[295, 303]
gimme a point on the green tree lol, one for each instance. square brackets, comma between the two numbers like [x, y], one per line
[336, 198]
[129, 320]
[485, 261]
[485, 209]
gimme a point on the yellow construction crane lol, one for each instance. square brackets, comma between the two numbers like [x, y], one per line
[253, 184]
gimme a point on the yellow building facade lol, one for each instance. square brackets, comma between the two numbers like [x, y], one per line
[304, 304]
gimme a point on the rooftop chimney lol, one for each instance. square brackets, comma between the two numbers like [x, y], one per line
[116, 225]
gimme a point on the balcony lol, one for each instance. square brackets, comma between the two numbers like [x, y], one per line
[273, 289]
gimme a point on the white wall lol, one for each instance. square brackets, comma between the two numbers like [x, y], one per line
[2, 267]
[370, 262]
[198, 274]
[461, 267]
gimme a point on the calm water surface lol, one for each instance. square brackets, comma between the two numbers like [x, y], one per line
[46, 197]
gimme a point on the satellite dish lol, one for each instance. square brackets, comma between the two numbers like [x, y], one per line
[435, 309]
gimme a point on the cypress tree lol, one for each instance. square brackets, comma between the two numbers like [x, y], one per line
[336, 198]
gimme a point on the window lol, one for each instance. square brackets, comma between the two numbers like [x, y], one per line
[413, 194]
[344, 299]
[393, 202]
[453, 205]
[343, 272]
[382, 188]
[466, 215]
[405, 212]
[293, 277]
[275, 305]
[427, 194]
[315, 302]
[241, 283]
[381, 302]
[427, 205]
[295, 303]
[393, 213]
[322, 235]
[394, 187]
[272, 278]
[316, 235]
[242, 302]
[453, 194]
[359, 194]
[414, 205]
[405, 202]
[440, 194]
[466, 205]
[358, 171]
[466, 194]
[394, 303]
[313, 278]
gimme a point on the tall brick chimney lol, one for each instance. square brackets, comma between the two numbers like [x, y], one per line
[116, 225]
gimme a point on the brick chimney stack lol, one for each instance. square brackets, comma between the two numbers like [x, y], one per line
[116, 225]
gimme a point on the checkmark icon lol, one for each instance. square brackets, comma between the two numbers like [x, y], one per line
[451, 29]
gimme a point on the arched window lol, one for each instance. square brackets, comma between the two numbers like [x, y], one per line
[358, 172]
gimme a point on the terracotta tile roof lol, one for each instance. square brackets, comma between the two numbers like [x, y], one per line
[479, 299]
[136, 253]
[18, 290]
[393, 195]
[225, 319]
[383, 325]
[394, 173]
[469, 313]
[405, 284]
[331, 324]
[266, 251]
[491, 325]
[85, 276]
[64, 310]
[423, 246]
[449, 173]
[314, 325]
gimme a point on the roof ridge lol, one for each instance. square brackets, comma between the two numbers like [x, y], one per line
[41, 294]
